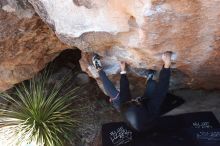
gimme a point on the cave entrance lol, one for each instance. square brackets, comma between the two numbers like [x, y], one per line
[67, 64]
[69, 59]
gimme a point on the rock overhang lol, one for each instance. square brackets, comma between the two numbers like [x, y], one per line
[138, 32]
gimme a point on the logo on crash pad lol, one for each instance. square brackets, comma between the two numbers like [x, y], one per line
[120, 136]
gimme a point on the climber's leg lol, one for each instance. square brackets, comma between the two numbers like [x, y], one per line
[150, 88]
[110, 89]
[125, 94]
[151, 84]
[162, 86]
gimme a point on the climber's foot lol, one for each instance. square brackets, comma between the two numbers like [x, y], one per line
[147, 73]
[150, 74]
[96, 61]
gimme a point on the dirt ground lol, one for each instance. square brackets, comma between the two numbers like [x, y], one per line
[198, 100]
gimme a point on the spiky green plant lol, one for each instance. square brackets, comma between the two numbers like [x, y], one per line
[40, 113]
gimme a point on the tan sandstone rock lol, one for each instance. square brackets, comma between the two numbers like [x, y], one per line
[26, 43]
[135, 31]
[138, 32]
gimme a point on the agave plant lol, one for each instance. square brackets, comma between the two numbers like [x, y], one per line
[39, 113]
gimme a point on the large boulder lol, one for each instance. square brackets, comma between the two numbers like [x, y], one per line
[135, 31]
[138, 32]
[26, 43]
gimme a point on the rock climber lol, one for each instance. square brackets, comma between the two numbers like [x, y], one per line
[140, 113]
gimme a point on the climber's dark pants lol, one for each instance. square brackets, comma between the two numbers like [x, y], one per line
[116, 97]
[155, 93]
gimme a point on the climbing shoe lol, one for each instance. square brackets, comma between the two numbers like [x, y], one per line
[96, 62]
[150, 74]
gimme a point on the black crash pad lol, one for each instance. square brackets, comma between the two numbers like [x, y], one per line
[191, 129]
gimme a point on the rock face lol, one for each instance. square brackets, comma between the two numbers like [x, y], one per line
[138, 32]
[26, 43]
[135, 31]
